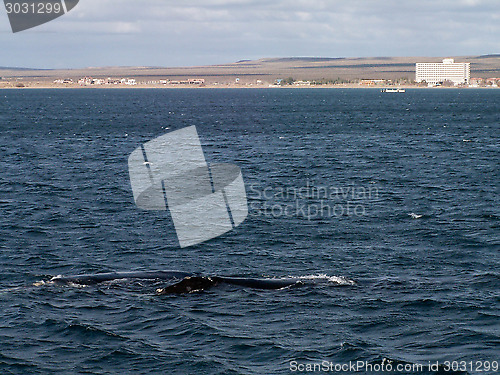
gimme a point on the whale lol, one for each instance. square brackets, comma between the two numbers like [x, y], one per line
[182, 282]
[92, 279]
[185, 282]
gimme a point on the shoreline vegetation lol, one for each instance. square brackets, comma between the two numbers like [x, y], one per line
[295, 72]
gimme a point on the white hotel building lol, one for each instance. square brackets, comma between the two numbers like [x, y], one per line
[448, 70]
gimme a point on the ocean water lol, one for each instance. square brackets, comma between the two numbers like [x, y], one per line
[388, 202]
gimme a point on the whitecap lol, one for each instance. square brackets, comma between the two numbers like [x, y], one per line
[339, 280]
[413, 215]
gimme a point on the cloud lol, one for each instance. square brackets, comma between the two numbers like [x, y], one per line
[165, 32]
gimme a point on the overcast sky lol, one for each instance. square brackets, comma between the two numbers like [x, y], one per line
[201, 32]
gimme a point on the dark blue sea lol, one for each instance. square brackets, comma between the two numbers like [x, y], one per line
[388, 203]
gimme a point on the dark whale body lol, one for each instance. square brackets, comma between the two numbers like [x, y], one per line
[188, 283]
[97, 278]
[199, 283]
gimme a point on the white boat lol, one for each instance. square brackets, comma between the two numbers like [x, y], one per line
[393, 90]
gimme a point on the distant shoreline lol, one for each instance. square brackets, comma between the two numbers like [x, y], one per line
[310, 72]
[231, 87]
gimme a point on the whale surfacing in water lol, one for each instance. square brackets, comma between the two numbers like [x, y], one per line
[192, 284]
[92, 279]
[188, 283]
[184, 282]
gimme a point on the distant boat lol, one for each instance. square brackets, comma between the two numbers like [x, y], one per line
[393, 90]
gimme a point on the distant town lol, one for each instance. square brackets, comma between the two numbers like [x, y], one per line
[291, 72]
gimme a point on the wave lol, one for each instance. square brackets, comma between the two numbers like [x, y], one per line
[338, 280]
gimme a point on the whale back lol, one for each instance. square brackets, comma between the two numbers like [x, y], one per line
[93, 279]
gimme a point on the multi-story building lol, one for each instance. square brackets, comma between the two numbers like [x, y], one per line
[448, 70]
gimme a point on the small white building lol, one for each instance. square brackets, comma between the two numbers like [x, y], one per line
[128, 81]
[448, 70]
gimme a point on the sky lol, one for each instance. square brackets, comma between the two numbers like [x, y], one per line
[204, 32]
